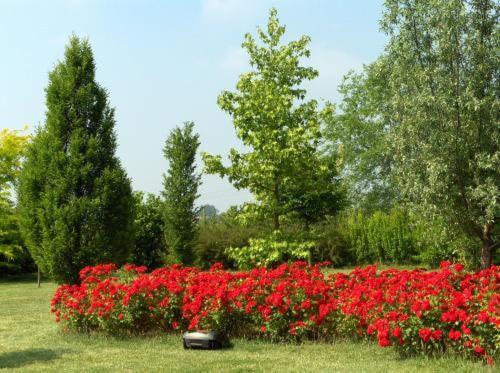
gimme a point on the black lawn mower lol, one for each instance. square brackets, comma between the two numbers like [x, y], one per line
[205, 340]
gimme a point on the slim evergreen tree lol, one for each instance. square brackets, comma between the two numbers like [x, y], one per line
[75, 199]
[180, 193]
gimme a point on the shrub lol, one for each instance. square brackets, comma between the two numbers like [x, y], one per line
[437, 241]
[149, 245]
[218, 233]
[416, 311]
[265, 252]
[331, 242]
[380, 237]
[14, 257]
[397, 236]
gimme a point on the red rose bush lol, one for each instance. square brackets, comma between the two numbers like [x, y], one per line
[416, 311]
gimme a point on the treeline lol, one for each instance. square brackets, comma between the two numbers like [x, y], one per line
[404, 169]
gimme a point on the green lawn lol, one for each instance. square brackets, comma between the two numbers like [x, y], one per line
[31, 341]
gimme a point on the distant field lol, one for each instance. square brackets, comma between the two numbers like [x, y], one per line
[31, 341]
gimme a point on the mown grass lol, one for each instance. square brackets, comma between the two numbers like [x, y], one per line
[380, 267]
[31, 341]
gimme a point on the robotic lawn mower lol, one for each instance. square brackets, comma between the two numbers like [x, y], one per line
[205, 340]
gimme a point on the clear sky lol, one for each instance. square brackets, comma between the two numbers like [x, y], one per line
[165, 62]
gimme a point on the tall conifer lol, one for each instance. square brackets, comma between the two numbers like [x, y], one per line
[180, 193]
[74, 196]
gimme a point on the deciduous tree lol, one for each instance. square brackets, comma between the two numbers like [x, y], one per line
[284, 167]
[437, 117]
[12, 147]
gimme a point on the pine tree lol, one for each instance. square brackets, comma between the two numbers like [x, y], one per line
[75, 199]
[180, 193]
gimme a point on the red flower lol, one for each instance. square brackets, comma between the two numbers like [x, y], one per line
[454, 335]
[479, 350]
[437, 334]
[425, 334]
[397, 332]
[445, 264]
[482, 316]
[384, 342]
[306, 304]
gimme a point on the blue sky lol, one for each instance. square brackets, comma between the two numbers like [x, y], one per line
[165, 62]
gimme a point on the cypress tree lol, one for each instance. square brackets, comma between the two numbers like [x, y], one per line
[75, 199]
[180, 193]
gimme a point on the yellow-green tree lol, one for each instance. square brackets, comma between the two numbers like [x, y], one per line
[12, 146]
[284, 167]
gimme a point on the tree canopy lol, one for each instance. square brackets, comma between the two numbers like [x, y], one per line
[424, 117]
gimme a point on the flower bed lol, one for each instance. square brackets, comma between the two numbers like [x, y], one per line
[416, 311]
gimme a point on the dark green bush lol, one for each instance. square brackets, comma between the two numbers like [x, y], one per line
[332, 243]
[352, 237]
[14, 257]
[217, 233]
[437, 241]
[379, 237]
[149, 245]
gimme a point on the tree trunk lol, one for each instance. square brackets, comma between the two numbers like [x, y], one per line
[277, 207]
[276, 220]
[486, 248]
[38, 276]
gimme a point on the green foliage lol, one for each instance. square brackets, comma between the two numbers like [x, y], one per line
[13, 256]
[180, 193]
[352, 237]
[436, 241]
[397, 236]
[359, 132]
[380, 237]
[284, 168]
[12, 147]
[269, 251]
[228, 229]
[75, 199]
[9, 239]
[421, 123]
[331, 242]
[149, 245]
[442, 96]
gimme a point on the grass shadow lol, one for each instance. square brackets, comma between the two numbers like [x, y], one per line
[17, 359]
[23, 278]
